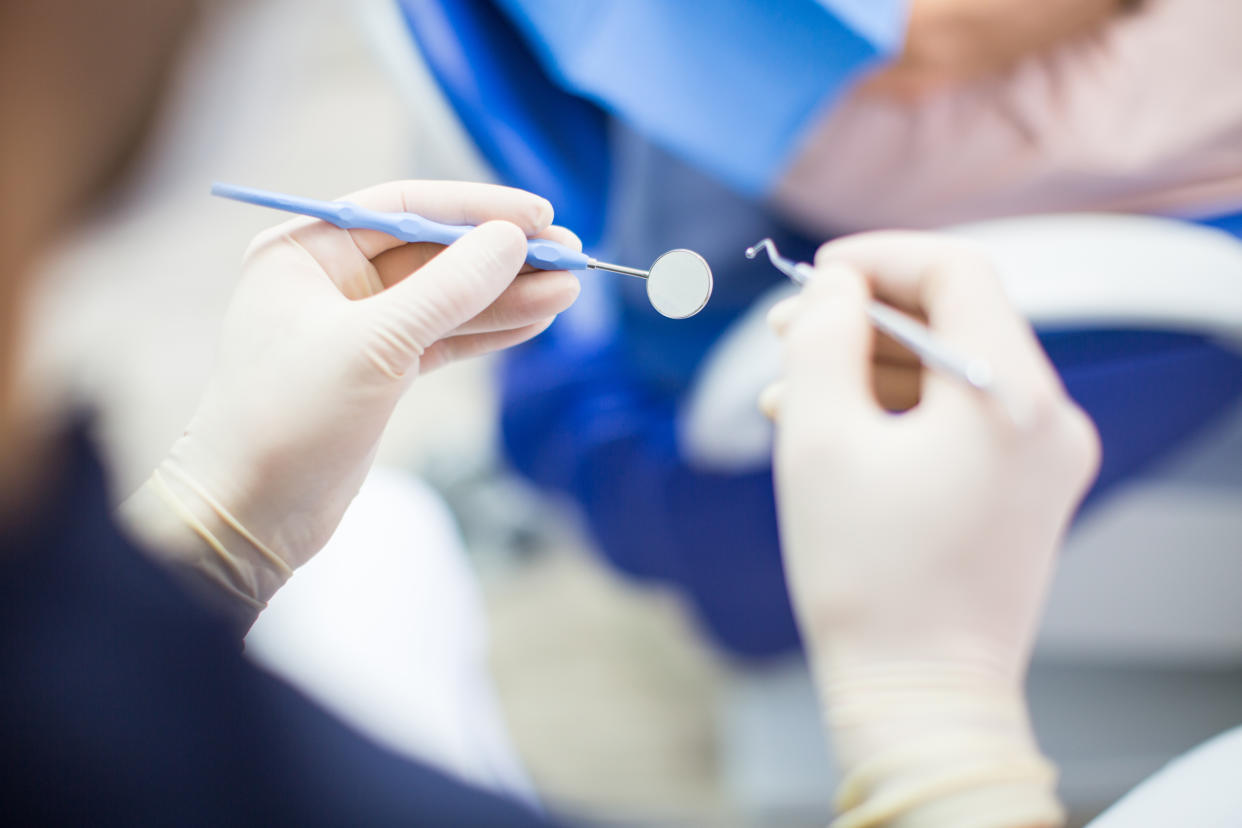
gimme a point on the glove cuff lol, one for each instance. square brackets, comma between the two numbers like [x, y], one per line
[192, 532]
[929, 745]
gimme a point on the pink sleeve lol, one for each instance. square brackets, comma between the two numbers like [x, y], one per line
[1144, 117]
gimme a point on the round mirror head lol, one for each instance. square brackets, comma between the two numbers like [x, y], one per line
[679, 284]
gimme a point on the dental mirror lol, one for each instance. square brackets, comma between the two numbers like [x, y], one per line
[678, 284]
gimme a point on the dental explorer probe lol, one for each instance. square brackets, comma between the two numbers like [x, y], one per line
[906, 330]
[679, 282]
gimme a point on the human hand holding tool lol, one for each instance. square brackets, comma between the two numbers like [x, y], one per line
[919, 546]
[326, 330]
[903, 329]
[679, 282]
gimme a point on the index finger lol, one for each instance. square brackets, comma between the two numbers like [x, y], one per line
[448, 202]
[827, 352]
[957, 288]
[393, 265]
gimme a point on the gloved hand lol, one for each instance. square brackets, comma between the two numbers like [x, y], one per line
[919, 546]
[326, 330]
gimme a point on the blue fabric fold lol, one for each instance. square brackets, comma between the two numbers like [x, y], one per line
[729, 88]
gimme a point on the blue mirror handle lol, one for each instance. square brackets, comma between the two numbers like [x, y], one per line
[409, 227]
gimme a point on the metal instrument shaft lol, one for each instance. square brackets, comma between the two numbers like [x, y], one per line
[907, 330]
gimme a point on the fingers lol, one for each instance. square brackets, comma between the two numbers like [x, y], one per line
[956, 287]
[884, 349]
[896, 387]
[454, 287]
[346, 255]
[560, 235]
[531, 297]
[448, 202]
[828, 346]
[393, 265]
[454, 348]
[459, 202]
[771, 399]
[783, 313]
[901, 266]
[536, 294]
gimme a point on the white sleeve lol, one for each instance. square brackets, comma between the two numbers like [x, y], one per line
[1200, 788]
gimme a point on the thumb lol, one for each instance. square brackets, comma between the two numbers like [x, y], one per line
[828, 346]
[453, 287]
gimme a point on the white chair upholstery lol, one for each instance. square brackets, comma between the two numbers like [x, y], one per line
[386, 628]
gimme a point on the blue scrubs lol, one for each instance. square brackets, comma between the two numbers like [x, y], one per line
[732, 86]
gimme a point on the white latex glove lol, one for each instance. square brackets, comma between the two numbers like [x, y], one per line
[919, 546]
[326, 330]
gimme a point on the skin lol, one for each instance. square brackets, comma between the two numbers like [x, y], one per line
[954, 42]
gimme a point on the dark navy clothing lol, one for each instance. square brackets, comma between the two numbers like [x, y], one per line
[123, 702]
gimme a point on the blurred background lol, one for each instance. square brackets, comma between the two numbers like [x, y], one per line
[622, 697]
